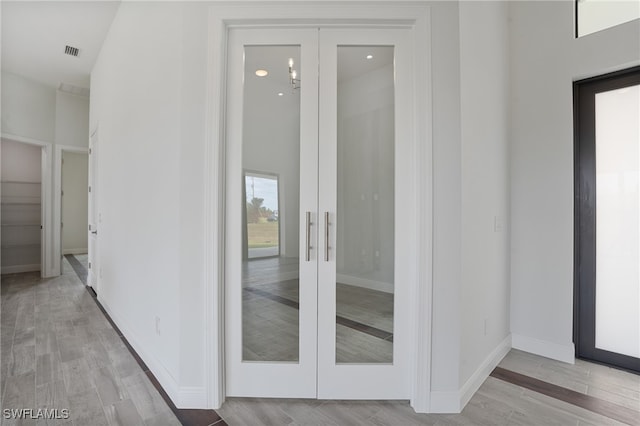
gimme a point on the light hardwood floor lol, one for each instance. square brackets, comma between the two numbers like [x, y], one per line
[59, 351]
[497, 402]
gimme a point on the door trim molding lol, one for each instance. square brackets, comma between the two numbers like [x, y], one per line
[57, 200]
[47, 242]
[279, 14]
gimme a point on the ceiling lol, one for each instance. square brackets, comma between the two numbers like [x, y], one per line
[35, 33]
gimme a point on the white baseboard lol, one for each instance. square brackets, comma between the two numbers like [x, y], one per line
[445, 402]
[185, 397]
[364, 283]
[453, 402]
[74, 251]
[564, 353]
[477, 379]
[192, 397]
[20, 268]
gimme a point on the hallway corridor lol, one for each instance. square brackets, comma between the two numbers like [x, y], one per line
[59, 351]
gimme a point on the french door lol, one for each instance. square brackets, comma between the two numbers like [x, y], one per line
[318, 246]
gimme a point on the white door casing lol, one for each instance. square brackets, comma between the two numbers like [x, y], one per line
[92, 276]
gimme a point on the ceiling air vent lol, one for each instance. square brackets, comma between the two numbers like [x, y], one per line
[73, 51]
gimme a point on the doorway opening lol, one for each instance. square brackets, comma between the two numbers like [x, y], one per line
[22, 207]
[74, 202]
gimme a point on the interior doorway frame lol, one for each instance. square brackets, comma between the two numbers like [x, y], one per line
[57, 199]
[47, 239]
[350, 14]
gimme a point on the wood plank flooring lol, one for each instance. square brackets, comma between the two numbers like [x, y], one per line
[59, 351]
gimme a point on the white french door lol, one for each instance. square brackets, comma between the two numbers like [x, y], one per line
[318, 244]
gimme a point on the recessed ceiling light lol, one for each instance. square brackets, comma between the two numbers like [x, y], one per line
[280, 94]
[369, 56]
[262, 73]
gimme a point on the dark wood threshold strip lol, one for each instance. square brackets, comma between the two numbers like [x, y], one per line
[187, 417]
[78, 267]
[588, 402]
[355, 325]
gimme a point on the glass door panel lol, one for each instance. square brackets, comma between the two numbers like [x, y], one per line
[618, 221]
[365, 204]
[271, 160]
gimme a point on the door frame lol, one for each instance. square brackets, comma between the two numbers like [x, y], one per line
[47, 238]
[349, 14]
[57, 199]
[584, 253]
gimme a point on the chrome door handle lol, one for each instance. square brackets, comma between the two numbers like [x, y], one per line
[94, 232]
[326, 236]
[308, 254]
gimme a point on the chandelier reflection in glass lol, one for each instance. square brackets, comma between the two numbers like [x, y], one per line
[293, 74]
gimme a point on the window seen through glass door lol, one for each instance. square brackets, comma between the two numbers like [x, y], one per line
[263, 228]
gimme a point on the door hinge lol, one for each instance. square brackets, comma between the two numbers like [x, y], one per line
[62, 193]
[89, 188]
[89, 227]
[89, 265]
[89, 150]
[61, 224]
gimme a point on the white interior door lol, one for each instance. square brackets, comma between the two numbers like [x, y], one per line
[272, 175]
[365, 198]
[94, 217]
[325, 117]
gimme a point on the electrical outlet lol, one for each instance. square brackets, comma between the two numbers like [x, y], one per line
[158, 326]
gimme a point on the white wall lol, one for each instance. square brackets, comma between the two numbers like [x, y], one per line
[484, 77]
[75, 202]
[28, 108]
[545, 60]
[445, 63]
[72, 119]
[20, 162]
[139, 99]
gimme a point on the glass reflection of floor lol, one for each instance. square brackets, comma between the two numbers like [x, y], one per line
[270, 316]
